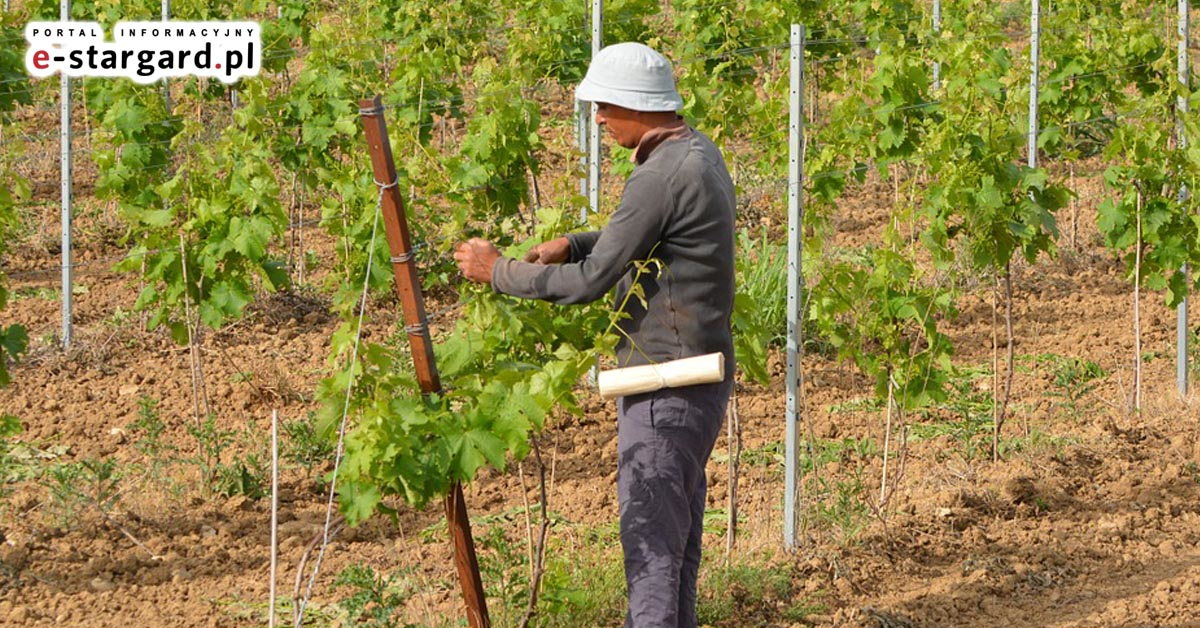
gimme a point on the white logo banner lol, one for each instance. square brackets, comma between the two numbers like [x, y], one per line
[145, 51]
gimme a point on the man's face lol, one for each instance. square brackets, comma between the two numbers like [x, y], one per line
[625, 125]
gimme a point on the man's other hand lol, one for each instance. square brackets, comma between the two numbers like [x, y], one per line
[555, 251]
[475, 259]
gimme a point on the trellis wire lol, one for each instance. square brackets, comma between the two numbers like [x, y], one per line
[428, 243]
[1129, 115]
[353, 363]
[1072, 77]
[442, 104]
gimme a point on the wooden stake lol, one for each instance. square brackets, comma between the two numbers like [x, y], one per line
[408, 285]
[465, 559]
[193, 332]
[274, 510]
[1074, 212]
[887, 441]
[996, 418]
[187, 314]
[404, 266]
[528, 518]
[1008, 331]
[735, 440]
[538, 562]
[294, 224]
[300, 234]
[1137, 312]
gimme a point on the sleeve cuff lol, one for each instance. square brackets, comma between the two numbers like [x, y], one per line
[581, 245]
[499, 274]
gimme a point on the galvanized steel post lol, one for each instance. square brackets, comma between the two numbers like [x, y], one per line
[166, 15]
[792, 483]
[581, 141]
[937, 29]
[1035, 34]
[64, 139]
[1181, 109]
[593, 128]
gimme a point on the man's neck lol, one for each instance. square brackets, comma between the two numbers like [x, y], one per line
[659, 119]
[656, 135]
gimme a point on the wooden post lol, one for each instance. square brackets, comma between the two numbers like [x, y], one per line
[408, 285]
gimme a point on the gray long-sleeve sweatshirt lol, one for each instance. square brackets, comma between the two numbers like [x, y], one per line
[677, 207]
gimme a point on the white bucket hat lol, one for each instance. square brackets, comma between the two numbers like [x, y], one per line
[633, 76]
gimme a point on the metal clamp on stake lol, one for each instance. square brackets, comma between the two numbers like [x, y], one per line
[420, 329]
[404, 258]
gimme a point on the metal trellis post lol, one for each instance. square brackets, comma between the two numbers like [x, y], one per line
[64, 138]
[1035, 34]
[581, 141]
[166, 15]
[795, 285]
[593, 128]
[233, 93]
[937, 29]
[1181, 109]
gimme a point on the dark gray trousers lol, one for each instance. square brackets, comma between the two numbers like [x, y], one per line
[664, 439]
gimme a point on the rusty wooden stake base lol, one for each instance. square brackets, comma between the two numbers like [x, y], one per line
[408, 285]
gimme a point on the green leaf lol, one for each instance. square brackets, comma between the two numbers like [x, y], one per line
[1035, 179]
[227, 300]
[453, 354]
[9, 426]
[358, 501]
[156, 217]
[249, 237]
[179, 333]
[486, 444]
[14, 340]
[276, 274]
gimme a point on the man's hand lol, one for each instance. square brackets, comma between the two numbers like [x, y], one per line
[555, 251]
[475, 259]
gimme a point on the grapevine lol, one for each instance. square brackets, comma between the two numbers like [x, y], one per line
[504, 367]
[14, 91]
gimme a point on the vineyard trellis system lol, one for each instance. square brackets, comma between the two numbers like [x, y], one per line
[929, 101]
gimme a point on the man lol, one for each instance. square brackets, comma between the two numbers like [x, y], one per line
[677, 207]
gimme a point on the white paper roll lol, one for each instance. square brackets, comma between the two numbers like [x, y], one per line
[703, 369]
